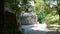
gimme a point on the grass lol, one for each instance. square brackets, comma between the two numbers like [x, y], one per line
[53, 27]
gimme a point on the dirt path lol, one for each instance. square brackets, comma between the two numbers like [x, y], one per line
[37, 29]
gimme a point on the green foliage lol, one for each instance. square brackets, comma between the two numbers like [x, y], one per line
[13, 5]
[40, 10]
[46, 14]
[25, 1]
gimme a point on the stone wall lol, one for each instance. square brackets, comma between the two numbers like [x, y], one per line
[28, 18]
[28, 15]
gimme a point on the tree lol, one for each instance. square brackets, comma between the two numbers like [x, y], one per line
[10, 24]
[58, 9]
[45, 13]
[12, 5]
[40, 9]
